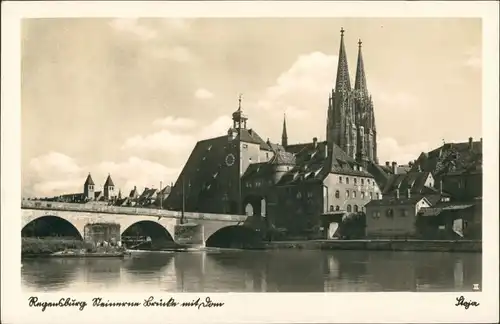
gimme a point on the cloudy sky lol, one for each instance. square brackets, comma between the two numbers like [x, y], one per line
[131, 97]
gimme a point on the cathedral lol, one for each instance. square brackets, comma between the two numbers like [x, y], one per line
[351, 120]
[290, 185]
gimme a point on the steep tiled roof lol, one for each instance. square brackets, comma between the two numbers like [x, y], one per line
[109, 182]
[89, 181]
[282, 158]
[250, 136]
[380, 175]
[312, 164]
[414, 180]
[392, 201]
[201, 171]
[451, 158]
[134, 193]
[254, 170]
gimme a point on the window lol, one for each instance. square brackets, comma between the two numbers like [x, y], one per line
[354, 194]
[245, 146]
[356, 208]
[404, 213]
[309, 194]
[331, 207]
[347, 193]
[389, 213]
[362, 181]
[378, 196]
[340, 179]
[337, 207]
[349, 208]
[299, 195]
[374, 214]
[368, 181]
[371, 195]
[337, 194]
[355, 180]
[346, 180]
[362, 195]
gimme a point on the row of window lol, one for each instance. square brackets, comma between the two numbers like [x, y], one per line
[355, 180]
[389, 213]
[349, 208]
[354, 194]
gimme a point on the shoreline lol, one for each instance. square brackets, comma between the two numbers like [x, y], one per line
[379, 245]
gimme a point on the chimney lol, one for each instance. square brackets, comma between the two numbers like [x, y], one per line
[409, 193]
[441, 186]
[315, 142]
[471, 143]
[394, 168]
[387, 164]
[397, 193]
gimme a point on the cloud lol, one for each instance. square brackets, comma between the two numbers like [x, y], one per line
[389, 149]
[55, 173]
[473, 61]
[179, 54]
[302, 87]
[132, 26]
[394, 100]
[175, 122]
[203, 93]
[175, 144]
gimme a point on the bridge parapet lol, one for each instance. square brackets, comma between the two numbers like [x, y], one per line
[132, 211]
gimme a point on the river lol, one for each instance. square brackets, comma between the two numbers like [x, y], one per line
[258, 271]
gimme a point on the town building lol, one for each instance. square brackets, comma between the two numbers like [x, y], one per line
[290, 186]
[395, 215]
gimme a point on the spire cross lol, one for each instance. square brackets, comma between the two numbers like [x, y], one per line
[239, 102]
[360, 42]
[341, 31]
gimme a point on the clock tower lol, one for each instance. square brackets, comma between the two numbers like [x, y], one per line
[232, 161]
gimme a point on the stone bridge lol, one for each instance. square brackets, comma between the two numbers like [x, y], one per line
[79, 215]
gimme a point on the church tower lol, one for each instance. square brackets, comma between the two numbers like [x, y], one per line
[351, 120]
[284, 135]
[109, 188]
[365, 117]
[341, 126]
[88, 188]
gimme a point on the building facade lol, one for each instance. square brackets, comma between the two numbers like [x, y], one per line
[287, 185]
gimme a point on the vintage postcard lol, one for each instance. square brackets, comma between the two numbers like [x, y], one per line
[249, 162]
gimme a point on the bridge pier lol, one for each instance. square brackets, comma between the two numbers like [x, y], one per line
[191, 234]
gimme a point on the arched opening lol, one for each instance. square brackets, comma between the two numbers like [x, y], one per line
[147, 235]
[51, 226]
[234, 237]
[249, 209]
[255, 205]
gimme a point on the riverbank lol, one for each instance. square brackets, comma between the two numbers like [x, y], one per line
[32, 247]
[379, 245]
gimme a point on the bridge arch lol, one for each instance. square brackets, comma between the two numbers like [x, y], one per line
[234, 236]
[51, 225]
[255, 205]
[141, 230]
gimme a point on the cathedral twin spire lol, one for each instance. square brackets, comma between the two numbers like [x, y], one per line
[351, 123]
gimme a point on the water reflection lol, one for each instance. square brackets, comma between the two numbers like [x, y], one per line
[259, 271]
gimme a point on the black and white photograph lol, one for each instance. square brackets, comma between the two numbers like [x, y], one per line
[201, 155]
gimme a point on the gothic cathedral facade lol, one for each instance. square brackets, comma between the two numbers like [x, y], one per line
[351, 119]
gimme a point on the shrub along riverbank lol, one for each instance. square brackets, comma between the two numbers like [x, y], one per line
[32, 246]
[39, 247]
